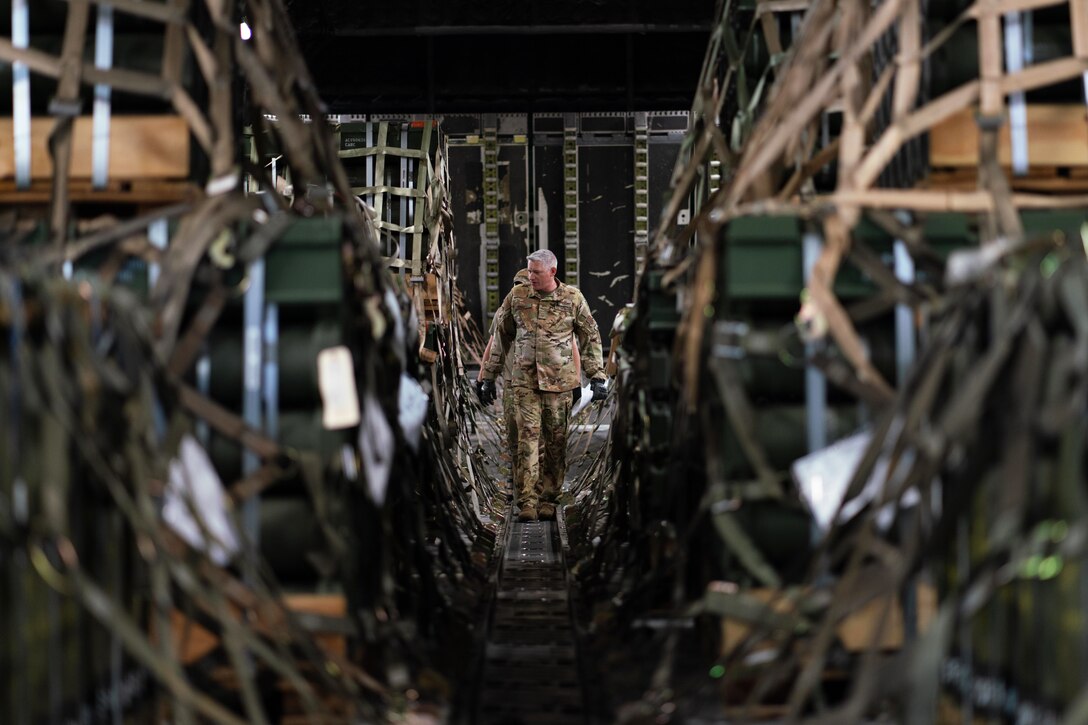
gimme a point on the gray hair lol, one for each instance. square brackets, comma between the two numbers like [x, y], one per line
[546, 256]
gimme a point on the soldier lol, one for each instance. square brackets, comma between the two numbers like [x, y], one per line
[522, 277]
[538, 325]
[508, 410]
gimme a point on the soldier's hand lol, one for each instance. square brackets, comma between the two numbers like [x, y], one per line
[575, 395]
[600, 392]
[485, 389]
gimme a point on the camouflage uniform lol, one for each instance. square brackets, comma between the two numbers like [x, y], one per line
[509, 412]
[538, 330]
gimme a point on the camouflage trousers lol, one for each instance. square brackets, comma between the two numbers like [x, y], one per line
[542, 444]
[509, 412]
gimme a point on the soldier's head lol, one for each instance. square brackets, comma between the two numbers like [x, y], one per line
[522, 277]
[542, 268]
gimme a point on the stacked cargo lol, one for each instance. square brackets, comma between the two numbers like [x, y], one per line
[1012, 487]
[851, 352]
[397, 172]
[330, 567]
[77, 405]
[299, 311]
[391, 167]
[79, 391]
[121, 139]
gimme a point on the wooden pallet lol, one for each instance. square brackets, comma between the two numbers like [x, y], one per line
[80, 191]
[855, 632]
[1057, 140]
[141, 147]
[194, 642]
[432, 303]
[1038, 180]
[1057, 136]
[148, 162]
[334, 606]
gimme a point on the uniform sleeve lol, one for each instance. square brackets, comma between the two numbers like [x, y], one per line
[589, 338]
[502, 330]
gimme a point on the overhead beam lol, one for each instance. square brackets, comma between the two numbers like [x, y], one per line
[453, 30]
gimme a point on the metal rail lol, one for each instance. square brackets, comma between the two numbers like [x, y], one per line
[531, 673]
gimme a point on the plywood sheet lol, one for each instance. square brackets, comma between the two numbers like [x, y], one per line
[1057, 136]
[134, 191]
[857, 630]
[141, 147]
[326, 605]
[194, 642]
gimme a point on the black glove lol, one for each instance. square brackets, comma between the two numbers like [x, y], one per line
[485, 389]
[600, 392]
[575, 395]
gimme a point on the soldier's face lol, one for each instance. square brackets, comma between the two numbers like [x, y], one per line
[540, 277]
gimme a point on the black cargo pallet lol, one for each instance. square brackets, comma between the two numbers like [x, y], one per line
[531, 672]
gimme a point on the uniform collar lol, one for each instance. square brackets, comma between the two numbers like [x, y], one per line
[548, 295]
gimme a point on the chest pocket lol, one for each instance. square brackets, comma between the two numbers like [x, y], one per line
[557, 316]
[525, 313]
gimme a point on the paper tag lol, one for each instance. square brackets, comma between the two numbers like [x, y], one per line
[336, 379]
[194, 486]
[376, 443]
[412, 403]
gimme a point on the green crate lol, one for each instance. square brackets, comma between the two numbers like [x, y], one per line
[304, 265]
[764, 259]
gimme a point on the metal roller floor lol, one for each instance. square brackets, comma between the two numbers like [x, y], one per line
[531, 672]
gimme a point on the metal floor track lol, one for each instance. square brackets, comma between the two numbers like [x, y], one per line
[531, 673]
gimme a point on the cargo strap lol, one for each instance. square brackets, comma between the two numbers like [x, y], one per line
[199, 230]
[383, 150]
[174, 13]
[188, 348]
[379, 172]
[741, 414]
[394, 190]
[423, 174]
[113, 234]
[66, 106]
[308, 155]
[73, 580]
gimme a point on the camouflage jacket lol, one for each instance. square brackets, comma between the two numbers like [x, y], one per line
[538, 330]
[497, 344]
